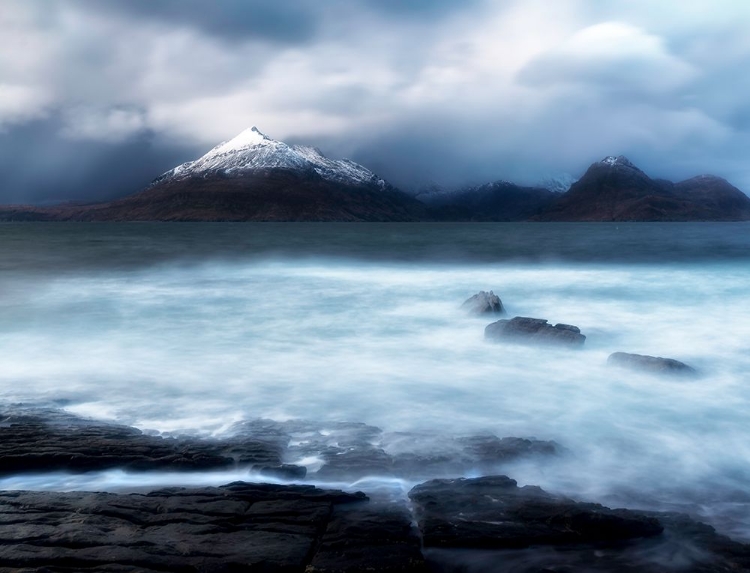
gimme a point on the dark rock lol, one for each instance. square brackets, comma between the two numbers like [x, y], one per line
[533, 331]
[49, 440]
[493, 512]
[369, 537]
[283, 471]
[484, 303]
[451, 457]
[234, 528]
[654, 364]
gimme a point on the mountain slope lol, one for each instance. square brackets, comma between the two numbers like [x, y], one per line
[616, 190]
[498, 201]
[259, 195]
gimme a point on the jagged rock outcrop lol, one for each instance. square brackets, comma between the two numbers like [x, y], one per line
[483, 303]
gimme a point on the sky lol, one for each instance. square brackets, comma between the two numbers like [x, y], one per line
[99, 97]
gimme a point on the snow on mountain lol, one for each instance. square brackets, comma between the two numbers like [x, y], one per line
[557, 183]
[252, 150]
[620, 160]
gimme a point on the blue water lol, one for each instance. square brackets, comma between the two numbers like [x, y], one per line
[191, 327]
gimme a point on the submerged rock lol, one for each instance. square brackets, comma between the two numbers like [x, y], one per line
[655, 364]
[534, 331]
[283, 471]
[484, 303]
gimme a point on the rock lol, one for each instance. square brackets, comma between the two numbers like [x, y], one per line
[654, 364]
[369, 537]
[493, 512]
[238, 527]
[451, 457]
[283, 471]
[534, 331]
[484, 303]
[49, 440]
[467, 525]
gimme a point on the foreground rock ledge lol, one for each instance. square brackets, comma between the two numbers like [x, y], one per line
[467, 525]
[238, 527]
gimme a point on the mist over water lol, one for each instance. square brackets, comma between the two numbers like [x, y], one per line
[190, 328]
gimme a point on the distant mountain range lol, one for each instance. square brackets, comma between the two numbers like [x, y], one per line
[255, 178]
[616, 190]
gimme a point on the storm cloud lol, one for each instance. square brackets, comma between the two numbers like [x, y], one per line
[98, 98]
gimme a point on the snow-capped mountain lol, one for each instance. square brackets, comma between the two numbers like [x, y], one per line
[252, 150]
[255, 178]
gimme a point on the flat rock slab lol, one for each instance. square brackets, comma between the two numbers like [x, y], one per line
[470, 526]
[653, 364]
[50, 440]
[528, 330]
[236, 527]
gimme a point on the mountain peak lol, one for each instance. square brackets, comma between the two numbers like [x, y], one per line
[248, 138]
[252, 150]
[620, 160]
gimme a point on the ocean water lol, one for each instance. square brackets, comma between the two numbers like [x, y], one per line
[188, 328]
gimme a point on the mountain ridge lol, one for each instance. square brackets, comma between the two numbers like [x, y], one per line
[614, 189]
[253, 177]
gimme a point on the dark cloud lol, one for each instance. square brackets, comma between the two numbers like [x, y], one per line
[425, 90]
[228, 19]
[420, 8]
[37, 166]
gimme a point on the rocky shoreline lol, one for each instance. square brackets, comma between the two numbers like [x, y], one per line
[486, 523]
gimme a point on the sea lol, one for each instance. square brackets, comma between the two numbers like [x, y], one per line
[188, 328]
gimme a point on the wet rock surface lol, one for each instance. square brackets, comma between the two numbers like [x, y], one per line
[236, 527]
[493, 512]
[49, 440]
[369, 537]
[486, 524]
[466, 525]
[528, 330]
[653, 364]
[483, 303]
[489, 524]
[351, 451]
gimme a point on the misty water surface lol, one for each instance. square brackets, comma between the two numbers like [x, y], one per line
[189, 328]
